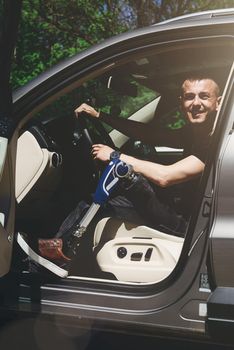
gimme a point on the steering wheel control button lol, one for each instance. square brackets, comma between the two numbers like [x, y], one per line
[136, 256]
[121, 252]
[148, 254]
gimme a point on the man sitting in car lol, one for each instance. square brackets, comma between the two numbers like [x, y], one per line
[142, 201]
[200, 99]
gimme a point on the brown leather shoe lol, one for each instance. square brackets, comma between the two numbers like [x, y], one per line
[52, 249]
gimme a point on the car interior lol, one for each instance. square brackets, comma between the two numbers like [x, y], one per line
[55, 169]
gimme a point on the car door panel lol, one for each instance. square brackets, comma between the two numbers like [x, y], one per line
[8, 33]
[222, 235]
[221, 243]
[7, 205]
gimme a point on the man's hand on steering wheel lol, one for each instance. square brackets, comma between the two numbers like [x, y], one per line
[86, 111]
[89, 110]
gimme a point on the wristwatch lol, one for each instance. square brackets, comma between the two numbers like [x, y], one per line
[114, 155]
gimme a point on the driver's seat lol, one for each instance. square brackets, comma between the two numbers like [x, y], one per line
[135, 253]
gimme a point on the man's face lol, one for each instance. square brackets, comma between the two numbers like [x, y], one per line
[200, 100]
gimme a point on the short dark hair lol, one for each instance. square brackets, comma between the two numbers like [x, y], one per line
[198, 78]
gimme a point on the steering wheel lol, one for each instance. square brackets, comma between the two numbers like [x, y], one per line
[88, 131]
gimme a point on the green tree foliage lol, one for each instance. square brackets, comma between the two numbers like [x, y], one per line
[54, 29]
[51, 30]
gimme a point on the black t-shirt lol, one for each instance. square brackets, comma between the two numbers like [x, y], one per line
[196, 145]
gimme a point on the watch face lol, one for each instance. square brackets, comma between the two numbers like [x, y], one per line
[114, 155]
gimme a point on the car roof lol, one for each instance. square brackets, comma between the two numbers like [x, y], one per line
[200, 16]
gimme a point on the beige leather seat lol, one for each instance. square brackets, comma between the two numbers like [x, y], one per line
[135, 253]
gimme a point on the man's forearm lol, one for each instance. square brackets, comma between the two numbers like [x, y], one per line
[131, 128]
[148, 133]
[157, 173]
[167, 175]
